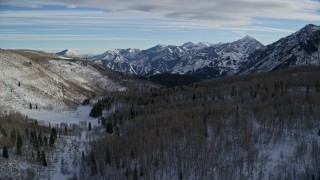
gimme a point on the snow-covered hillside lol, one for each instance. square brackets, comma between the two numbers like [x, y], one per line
[30, 86]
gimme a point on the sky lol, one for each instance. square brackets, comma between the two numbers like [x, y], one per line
[94, 26]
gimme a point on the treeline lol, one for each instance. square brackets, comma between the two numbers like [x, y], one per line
[224, 128]
[20, 136]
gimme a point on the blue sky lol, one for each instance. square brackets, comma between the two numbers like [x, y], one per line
[95, 26]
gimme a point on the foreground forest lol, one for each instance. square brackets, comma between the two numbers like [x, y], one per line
[258, 126]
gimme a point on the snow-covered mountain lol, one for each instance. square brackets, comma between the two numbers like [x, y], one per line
[239, 49]
[53, 85]
[299, 48]
[70, 54]
[218, 60]
[188, 58]
[206, 60]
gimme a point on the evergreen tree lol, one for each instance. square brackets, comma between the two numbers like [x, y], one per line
[132, 113]
[109, 128]
[180, 175]
[13, 134]
[30, 105]
[27, 132]
[54, 133]
[82, 156]
[96, 111]
[38, 155]
[65, 130]
[43, 158]
[135, 174]
[5, 153]
[45, 139]
[94, 169]
[40, 139]
[126, 174]
[51, 140]
[232, 92]
[141, 171]
[89, 126]
[19, 144]
[35, 140]
[108, 157]
[103, 121]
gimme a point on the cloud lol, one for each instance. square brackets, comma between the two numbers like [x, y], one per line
[217, 13]
[95, 19]
[71, 6]
[63, 37]
[259, 29]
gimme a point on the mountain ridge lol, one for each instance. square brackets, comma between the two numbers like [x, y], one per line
[184, 59]
[299, 48]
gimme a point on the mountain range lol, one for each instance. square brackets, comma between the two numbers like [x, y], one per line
[206, 60]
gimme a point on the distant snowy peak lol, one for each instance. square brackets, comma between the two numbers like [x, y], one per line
[110, 55]
[188, 45]
[245, 45]
[70, 53]
[204, 44]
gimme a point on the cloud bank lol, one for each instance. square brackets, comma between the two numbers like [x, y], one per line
[216, 13]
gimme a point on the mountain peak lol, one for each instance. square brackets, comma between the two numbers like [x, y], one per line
[160, 46]
[204, 44]
[247, 38]
[69, 53]
[188, 44]
[306, 32]
[308, 26]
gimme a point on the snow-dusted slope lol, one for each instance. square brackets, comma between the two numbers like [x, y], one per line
[54, 85]
[297, 49]
[70, 53]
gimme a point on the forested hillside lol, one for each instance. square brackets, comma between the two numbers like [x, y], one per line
[258, 126]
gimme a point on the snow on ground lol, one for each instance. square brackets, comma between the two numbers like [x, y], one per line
[53, 86]
[84, 75]
[64, 159]
[50, 92]
[81, 114]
